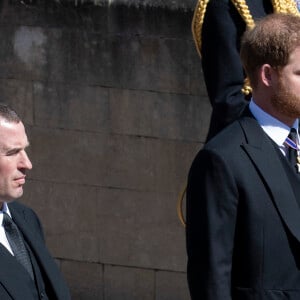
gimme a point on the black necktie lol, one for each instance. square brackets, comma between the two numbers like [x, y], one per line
[292, 153]
[16, 243]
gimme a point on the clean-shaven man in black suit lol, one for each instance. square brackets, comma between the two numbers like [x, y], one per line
[27, 271]
[243, 193]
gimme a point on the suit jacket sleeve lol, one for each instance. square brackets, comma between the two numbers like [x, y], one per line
[211, 215]
[222, 68]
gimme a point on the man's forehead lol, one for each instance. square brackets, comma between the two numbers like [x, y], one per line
[9, 124]
[11, 132]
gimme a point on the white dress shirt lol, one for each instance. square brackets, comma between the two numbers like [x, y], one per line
[3, 238]
[275, 129]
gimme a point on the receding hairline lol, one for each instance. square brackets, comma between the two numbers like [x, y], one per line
[8, 114]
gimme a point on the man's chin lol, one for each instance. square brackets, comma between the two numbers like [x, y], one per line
[15, 195]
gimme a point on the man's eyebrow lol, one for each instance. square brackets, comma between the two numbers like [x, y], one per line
[13, 149]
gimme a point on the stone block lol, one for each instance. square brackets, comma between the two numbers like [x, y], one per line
[153, 21]
[68, 215]
[134, 62]
[53, 54]
[34, 53]
[149, 164]
[69, 156]
[172, 161]
[85, 280]
[123, 283]
[160, 115]
[140, 229]
[38, 13]
[171, 286]
[18, 94]
[130, 163]
[85, 57]
[70, 106]
[170, 4]
[91, 18]
[149, 63]
[75, 55]
[114, 161]
[9, 64]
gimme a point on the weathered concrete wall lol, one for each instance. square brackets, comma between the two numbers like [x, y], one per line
[169, 4]
[116, 109]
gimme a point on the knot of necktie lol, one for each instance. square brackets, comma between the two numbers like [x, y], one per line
[293, 148]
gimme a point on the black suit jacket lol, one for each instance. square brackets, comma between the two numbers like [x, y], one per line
[223, 72]
[243, 220]
[14, 282]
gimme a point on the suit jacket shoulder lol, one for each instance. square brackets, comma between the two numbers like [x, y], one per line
[30, 226]
[29, 214]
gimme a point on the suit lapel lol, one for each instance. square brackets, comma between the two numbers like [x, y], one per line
[14, 278]
[37, 246]
[263, 155]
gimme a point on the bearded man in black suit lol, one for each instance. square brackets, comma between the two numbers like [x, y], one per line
[243, 193]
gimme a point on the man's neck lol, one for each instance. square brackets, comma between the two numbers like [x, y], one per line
[267, 107]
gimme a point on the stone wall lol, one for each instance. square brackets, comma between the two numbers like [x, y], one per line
[115, 106]
[170, 4]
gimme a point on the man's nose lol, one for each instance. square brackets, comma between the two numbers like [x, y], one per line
[25, 161]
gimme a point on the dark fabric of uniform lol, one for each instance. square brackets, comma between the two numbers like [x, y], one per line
[15, 282]
[223, 73]
[243, 219]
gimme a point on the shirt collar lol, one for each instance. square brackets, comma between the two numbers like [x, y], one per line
[275, 129]
[5, 209]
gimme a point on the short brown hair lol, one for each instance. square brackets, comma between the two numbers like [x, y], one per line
[8, 114]
[271, 42]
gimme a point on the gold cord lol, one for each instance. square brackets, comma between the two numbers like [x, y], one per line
[197, 23]
[179, 206]
[285, 6]
[244, 11]
[279, 6]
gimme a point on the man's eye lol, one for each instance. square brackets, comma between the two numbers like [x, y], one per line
[11, 153]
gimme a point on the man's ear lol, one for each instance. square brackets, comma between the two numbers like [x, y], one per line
[267, 75]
